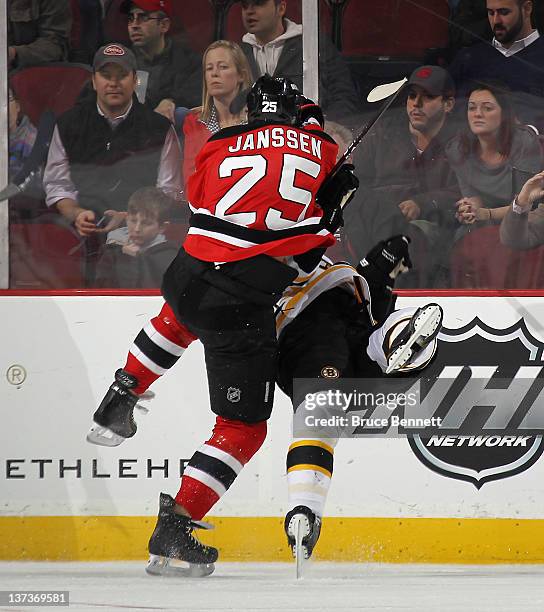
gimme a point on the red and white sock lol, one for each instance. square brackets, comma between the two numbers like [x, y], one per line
[157, 348]
[217, 463]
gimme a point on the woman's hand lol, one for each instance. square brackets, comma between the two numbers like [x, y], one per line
[470, 210]
[532, 190]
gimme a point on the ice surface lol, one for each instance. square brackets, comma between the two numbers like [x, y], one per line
[271, 587]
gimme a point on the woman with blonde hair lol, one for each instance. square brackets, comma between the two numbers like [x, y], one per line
[226, 73]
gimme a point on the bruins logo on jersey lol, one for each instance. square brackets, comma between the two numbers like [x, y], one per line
[330, 372]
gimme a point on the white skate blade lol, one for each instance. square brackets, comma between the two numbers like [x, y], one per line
[299, 527]
[425, 327]
[102, 436]
[164, 566]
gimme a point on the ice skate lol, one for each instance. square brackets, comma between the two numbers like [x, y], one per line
[173, 550]
[302, 528]
[113, 420]
[422, 329]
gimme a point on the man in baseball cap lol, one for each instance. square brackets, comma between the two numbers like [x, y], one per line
[114, 79]
[173, 72]
[410, 184]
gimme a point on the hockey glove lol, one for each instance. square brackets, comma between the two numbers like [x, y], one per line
[334, 194]
[386, 261]
[379, 268]
[308, 112]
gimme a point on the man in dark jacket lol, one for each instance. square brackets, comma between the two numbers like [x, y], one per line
[273, 45]
[407, 184]
[174, 74]
[38, 31]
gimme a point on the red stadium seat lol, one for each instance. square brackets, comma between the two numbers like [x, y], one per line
[42, 256]
[54, 86]
[115, 24]
[480, 261]
[194, 19]
[394, 28]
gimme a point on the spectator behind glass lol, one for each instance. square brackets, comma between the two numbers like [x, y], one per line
[108, 146]
[523, 228]
[407, 184]
[136, 256]
[485, 153]
[226, 73]
[515, 57]
[22, 135]
[38, 31]
[273, 45]
[172, 69]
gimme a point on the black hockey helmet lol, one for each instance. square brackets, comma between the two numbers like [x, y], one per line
[274, 100]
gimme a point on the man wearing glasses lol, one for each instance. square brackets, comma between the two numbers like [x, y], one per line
[173, 71]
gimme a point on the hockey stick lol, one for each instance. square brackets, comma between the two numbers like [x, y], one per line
[35, 160]
[388, 91]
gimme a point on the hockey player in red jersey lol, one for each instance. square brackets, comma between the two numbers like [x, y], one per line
[253, 197]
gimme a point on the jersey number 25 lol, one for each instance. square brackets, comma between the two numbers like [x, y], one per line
[256, 164]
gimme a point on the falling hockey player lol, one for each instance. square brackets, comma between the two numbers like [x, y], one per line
[340, 322]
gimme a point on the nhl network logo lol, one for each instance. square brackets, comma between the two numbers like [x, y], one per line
[508, 365]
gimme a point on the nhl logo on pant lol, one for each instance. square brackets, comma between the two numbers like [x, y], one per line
[234, 394]
[506, 368]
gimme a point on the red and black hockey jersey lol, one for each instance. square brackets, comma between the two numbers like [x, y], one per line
[253, 192]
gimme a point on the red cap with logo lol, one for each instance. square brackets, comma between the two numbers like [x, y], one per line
[433, 79]
[148, 6]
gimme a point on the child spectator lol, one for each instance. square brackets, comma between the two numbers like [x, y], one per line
[136, 256]
[22, 135]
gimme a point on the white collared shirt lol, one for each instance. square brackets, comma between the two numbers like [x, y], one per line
[516, 46]
[58, 181]
[116, 120]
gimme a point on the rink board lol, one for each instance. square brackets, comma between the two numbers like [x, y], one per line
[61, 498]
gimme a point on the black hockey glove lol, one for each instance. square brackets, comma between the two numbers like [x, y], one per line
[379, 268]
[386, 261]
[307, 110]
[334, 194]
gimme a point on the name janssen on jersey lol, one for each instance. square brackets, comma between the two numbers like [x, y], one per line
[278, 137]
